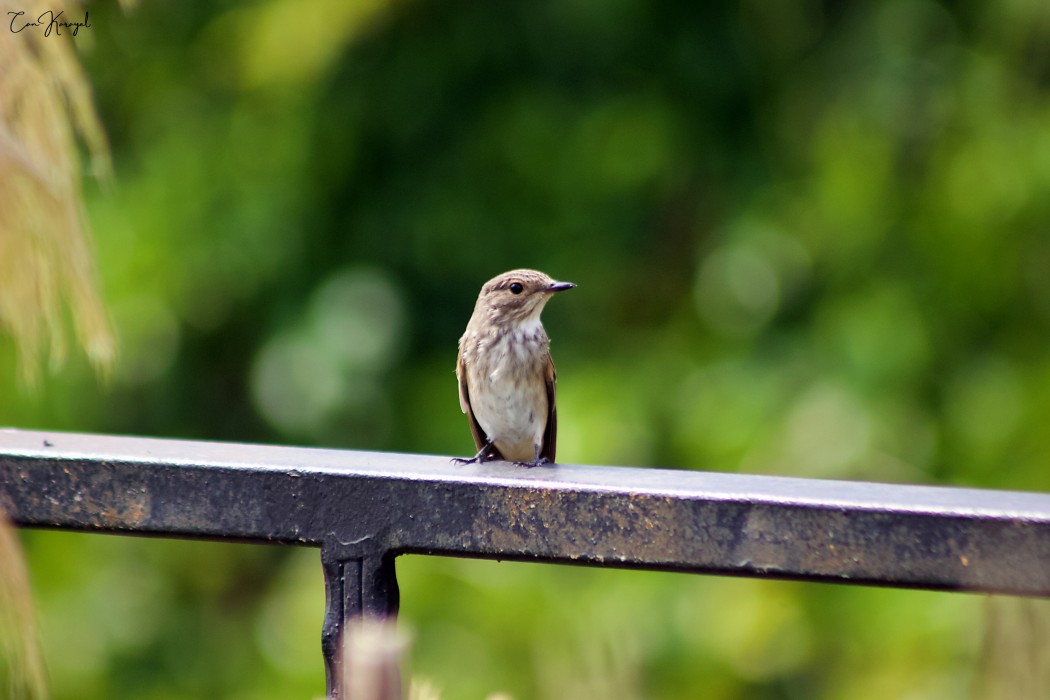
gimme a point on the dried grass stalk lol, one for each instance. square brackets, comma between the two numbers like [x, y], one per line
[45, 257]
[18, 639]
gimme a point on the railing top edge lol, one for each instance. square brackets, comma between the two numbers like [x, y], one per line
[358, 504]
[650, 481]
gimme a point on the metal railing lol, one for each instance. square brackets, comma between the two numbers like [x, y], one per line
[365, 508]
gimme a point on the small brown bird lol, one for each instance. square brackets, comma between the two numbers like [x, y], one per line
[505, 372]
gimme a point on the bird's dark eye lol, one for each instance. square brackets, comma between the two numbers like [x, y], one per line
[516, 288]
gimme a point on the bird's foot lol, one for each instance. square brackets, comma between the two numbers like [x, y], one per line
[487, 453]
[534, 463]
[469, 460]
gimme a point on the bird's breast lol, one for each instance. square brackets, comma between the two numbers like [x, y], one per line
[508, 392]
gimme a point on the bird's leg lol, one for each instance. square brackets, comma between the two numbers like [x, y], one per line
[487, 453]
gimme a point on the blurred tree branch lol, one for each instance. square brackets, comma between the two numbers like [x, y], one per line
[45, 255]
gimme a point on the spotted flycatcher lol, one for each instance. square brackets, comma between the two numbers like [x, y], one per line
[505, 372]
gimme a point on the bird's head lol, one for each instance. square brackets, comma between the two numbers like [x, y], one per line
[517, 296]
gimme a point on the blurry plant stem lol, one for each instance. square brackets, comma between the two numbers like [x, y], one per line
[372, 654]
[19, 649]
[1014, 661]
[45, 255]
[373, 659]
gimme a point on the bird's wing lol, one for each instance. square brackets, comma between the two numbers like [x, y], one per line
[461, 377]
[550, 435]
[480, 439]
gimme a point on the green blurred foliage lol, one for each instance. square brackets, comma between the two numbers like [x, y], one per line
[810, 239]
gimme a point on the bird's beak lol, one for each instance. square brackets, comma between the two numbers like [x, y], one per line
[560, 286]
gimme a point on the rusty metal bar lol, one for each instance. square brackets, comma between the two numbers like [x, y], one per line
[364, 508]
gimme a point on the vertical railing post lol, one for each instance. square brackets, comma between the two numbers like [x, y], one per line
[356, 585]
